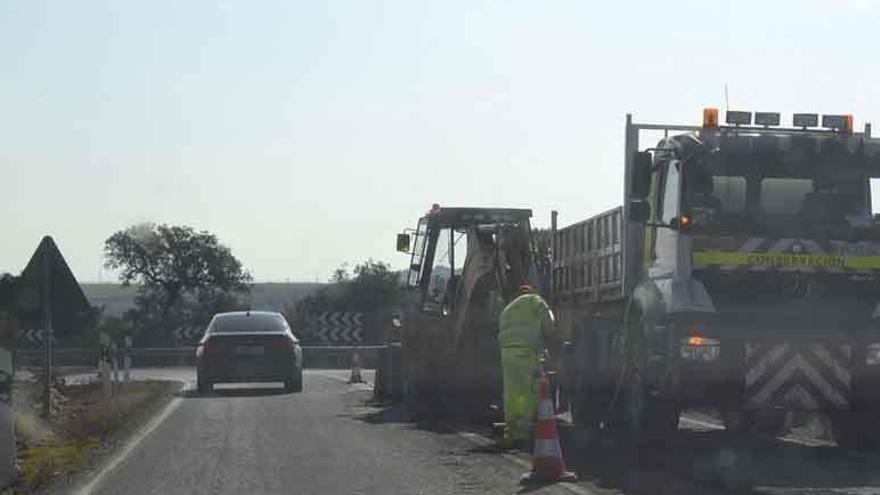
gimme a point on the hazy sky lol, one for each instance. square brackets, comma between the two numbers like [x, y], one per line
[306, 134]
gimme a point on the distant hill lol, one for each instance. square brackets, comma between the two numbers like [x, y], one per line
[116, 299]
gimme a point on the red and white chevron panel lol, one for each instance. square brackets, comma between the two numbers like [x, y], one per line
[339, 326]
[810, 376]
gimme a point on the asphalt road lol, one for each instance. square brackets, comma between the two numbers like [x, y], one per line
[328, 440]
[322, 441]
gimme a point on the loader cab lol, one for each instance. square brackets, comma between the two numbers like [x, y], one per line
[438, 249]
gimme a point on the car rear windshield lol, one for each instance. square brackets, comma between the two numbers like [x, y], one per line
[249, 323]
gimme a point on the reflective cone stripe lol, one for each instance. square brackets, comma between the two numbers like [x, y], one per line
[547, 462]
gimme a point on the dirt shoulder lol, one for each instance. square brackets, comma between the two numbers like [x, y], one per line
[86, 428]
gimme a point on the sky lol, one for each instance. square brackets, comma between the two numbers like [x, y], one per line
[307, 134]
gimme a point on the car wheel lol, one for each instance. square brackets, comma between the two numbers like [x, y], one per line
[205, 386]
[295, 382]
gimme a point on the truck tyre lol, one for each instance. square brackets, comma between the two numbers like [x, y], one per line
[738, 422]
[856, 430]
[644, 411]
[770, 423]
[588, 410]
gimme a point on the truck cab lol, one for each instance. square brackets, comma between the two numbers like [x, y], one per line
[750, 259]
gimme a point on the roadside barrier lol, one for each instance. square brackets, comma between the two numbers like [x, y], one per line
[328, 357]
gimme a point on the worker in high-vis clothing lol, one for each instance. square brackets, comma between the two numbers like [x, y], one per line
[525, 328]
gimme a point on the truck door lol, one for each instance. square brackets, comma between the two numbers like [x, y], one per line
[668, 209]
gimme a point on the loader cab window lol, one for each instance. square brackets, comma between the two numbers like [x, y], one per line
[441, 270]
[418, 253]
[449, 255]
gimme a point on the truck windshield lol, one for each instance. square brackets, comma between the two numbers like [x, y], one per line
[791, 199]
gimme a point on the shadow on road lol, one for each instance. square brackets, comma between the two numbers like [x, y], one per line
[716, 462]
[233, 392]
[398, 413]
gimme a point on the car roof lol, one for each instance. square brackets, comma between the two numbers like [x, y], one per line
[239, 314]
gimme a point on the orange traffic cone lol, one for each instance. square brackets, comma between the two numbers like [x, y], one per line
[547, 462]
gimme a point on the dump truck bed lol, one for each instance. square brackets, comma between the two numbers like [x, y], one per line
[587, 259]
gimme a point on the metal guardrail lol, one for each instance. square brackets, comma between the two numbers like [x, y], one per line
[179, 351]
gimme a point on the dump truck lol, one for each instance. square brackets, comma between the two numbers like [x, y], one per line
[465, 263]
[740, 273]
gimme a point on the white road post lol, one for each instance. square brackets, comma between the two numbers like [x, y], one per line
[127, 359]
[114, 363]
[105, 365]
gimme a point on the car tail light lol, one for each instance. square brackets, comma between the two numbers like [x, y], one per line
[283, 344]
[216, 347]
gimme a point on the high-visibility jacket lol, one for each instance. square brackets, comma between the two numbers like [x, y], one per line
[525, 322]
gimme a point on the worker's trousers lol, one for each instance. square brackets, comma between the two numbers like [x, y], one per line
[520, 372]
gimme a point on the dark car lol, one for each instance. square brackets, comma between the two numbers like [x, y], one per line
[249, 346]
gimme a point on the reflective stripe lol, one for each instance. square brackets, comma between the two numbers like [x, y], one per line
[520, 335]
[783, 260]
[547, 448]
[545, 410]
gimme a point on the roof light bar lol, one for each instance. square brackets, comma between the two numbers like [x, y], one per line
[710, 117]
[738, 118]
[766, 118]
[805, 120]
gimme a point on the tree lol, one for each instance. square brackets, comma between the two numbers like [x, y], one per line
[183, 275]
[7, 291]
[370, 286]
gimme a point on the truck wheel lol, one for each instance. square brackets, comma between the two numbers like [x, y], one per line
[739, 422]
[645, 412]
[855, 430]
[588, 410]
[771, 423]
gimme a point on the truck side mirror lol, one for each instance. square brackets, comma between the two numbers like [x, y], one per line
[403, 243]
[639, 211]
[641, 176]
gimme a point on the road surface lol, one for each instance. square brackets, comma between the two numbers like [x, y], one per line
[322, 441]
[327, 440]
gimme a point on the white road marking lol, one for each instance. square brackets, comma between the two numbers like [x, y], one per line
[132, 443]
